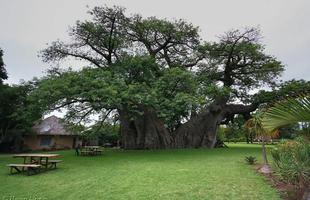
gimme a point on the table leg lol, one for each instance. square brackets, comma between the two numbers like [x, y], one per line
[46, 162]
[39, 162]
[25, 159]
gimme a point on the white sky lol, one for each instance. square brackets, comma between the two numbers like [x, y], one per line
[27, 25]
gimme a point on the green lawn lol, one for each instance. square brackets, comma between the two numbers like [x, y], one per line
[161, 174]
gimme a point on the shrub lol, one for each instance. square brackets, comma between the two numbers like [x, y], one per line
[251, 160]
[292, 161]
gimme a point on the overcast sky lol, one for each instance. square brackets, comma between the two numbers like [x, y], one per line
[28, 25]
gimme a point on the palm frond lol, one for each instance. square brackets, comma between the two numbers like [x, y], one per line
[255, 125]
[287, 112]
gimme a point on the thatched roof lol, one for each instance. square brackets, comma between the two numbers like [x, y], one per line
[51, 126]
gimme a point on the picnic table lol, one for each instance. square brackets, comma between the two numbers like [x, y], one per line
[91, 150]
[34, 162]
[92, 147]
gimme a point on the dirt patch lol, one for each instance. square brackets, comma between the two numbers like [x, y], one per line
[286, 190]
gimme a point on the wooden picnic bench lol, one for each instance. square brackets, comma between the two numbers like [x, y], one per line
[34, 163]
[30, 168]
[90, 150]
[86, 152]
[53, 163]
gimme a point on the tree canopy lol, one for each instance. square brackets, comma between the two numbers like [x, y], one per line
[165, 85]
[16, 117]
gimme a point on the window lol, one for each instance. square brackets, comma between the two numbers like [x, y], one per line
[46, 141]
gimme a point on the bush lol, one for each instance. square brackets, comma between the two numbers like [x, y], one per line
[105, 133]
[251, 160]
[292, 161]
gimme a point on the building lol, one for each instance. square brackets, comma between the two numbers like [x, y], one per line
[49, 134]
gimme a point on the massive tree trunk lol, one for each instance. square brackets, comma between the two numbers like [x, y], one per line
[127, 131]
[200, 131]
[148, 131]
[144, 132]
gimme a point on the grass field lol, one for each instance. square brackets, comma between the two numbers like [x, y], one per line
[161, 174]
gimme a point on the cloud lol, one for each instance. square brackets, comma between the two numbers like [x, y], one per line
[26, 27]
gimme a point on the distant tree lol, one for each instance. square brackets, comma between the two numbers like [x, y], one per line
[289, 131]
[235, 131]
[15, 117]
[288, 89]
[3, 74]
[103, 133]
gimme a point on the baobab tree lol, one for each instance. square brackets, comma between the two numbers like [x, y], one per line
[167, 88]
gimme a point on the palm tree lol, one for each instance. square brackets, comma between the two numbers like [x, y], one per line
[287, 112]
[255, 126]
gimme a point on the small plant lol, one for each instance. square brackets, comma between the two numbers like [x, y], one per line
[251, 160]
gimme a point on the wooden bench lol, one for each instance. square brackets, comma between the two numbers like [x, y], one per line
[31, 168]
[86, 152]
[53, 163]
